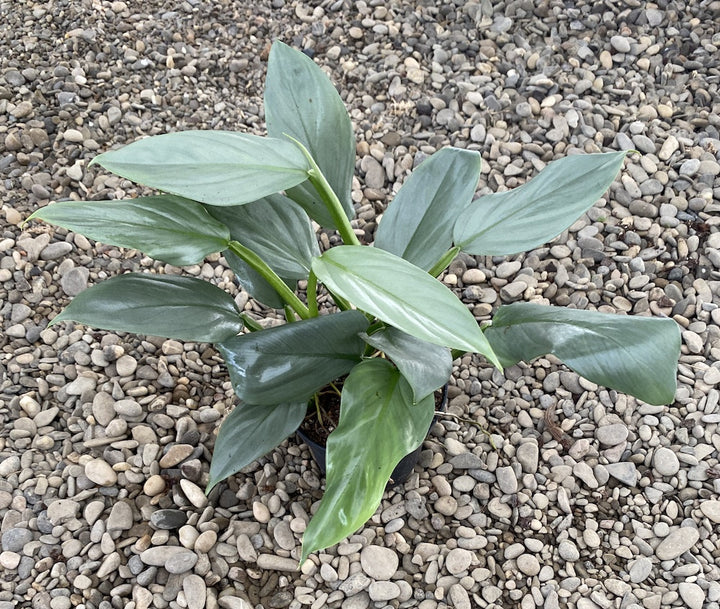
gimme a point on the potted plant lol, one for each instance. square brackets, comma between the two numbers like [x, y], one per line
[388, 325]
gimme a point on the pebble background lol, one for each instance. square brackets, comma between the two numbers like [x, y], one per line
[105, 439]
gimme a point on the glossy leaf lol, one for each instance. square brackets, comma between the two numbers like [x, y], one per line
[418, 224]
[276, 229]
[300, 101]
[425, 366]
[518, 220]
[253, 282]
[379, 425]
[161, 305]
[214, 167]
[402, 295]
[291, 362]
[165, 227]
[248, 433]
[635, 355]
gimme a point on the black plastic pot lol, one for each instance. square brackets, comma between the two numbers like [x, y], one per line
[402, 470]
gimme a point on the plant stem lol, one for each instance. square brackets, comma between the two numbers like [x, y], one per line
[312, 294]
[259, 265]
[319, 411]
[374, 327]
[341, 303]
[445, 259]
[289, 314]
[327, 194]
[250, 323]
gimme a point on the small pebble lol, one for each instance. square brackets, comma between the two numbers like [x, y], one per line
[379, 563]
[99, 472]
[677, 542]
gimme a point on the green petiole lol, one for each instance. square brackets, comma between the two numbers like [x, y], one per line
[444, 260]
[312, 294]
[259, 265]
[327, 194]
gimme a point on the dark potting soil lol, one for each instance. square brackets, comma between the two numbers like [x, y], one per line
[322, 419]
[318, 428]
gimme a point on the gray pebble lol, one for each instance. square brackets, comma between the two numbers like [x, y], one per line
[328, 573]
[458, 560]
[354, 584]
[9, 465]
[283, 536]
[13, 540]
[374, 173]
[585, 473]
[692, 594]
[168, 519]
[126, 365]
[100, 472]
[654, 17]
[446, 505]
[75, 281]
[378, 562]
[665, 462]
[644, 144]
[620, 43]
[711, 509]
[507, 269]
[181, 561]
[383, 591]
[677, 542]
[194, 493]
[527, 455]
[624, 471]
[121, 517]
[690, 167]
[507, 480]
[245, 549]
[195, 591]
[56, 250]
[459, 597]
[276, 563]
[176, 454]
[612, 435]
[528, 564]
[467, 461]
[568, 551]
[640, 569]
[62, 510]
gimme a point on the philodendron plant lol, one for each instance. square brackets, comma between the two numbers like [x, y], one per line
[392, 329]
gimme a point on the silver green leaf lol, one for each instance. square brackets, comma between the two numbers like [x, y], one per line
[248, 433]
[291, 362]
[300, 101]
[425, 366]
[160, 305]
[521, 219]
[633, 354]
[379, 425]
[418, 224]
[402, 295]
[213, 167]
[165, 227]
[276, 229]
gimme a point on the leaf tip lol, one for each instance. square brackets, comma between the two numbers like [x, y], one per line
[305, 554]
[212, 483]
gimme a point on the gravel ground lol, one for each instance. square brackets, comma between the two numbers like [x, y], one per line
[106, 438]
